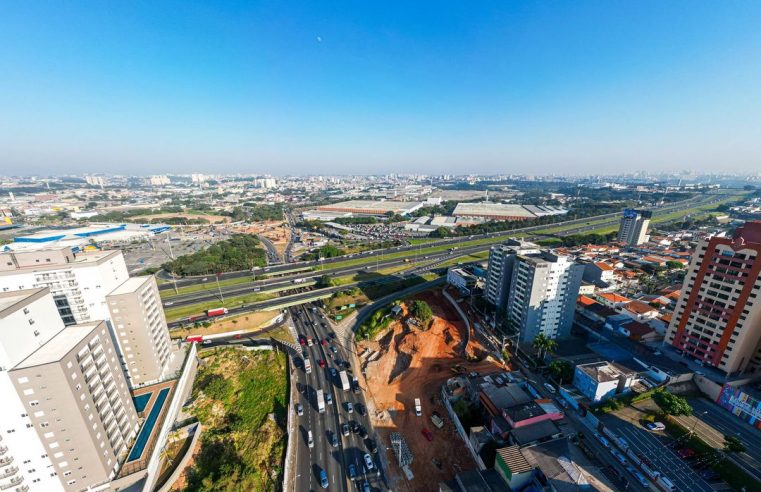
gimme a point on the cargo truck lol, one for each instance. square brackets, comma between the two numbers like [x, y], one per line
[437, 421]
[418, 408]
[320, 401]
[307, 366]
[194, 338]
[344, 380]
[216, 312]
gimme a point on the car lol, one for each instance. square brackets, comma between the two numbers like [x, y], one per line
[299, 409]
[602, 440]
[352, 471]
[345, 429]
[333, 372]
[354, 426]
[302, 341]
[619, 457]
[549, 388]
[369, 461]
[359, 408]
[299, 387]
[372, 446]
[324, 342]
[333, 349]
[685, 453]
[324, 479]
[328, 398]
[322, 362]
[365, 487]
[655, 426]
[362, 431]
[427, 434]
[333, 439]
[709, 475]
[349, 407]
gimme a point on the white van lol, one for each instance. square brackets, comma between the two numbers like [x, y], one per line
[310, 440]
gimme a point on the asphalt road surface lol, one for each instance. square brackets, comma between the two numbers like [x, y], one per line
[352, 448]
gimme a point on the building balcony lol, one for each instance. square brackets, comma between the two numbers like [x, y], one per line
[23, 488]
[14, 481]
[3, 450]
[8, 472]
[6, 460]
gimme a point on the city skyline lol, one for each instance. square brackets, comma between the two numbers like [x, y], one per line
[379, 88]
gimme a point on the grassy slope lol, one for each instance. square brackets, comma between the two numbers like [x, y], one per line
[242, 448]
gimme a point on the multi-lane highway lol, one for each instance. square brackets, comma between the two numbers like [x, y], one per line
[339, 447]
[584, 225]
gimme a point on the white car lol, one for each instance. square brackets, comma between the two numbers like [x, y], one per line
[369, 462]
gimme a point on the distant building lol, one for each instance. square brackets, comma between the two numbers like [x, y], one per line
[95, 180]
[542, 295]
[265, 183]
[159, 180]
[633, 227]
[601, 380]
[369, 207]
[717, 319]
[198, 178]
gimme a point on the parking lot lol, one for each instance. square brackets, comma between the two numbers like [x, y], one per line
[155, 252]
[654, 447]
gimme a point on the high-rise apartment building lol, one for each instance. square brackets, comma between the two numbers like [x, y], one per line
[633, 227]
[543, 291]
[501, 260]
[96, 180]
[718, 316]
[79, 283]
[140, 329]
[67, 417]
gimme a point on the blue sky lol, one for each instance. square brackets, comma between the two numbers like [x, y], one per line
[369, 87]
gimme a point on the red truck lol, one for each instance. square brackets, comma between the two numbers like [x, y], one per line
[194, 338]
[216, 312]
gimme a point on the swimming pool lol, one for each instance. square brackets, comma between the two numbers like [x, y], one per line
[141, 401]
[147, 429]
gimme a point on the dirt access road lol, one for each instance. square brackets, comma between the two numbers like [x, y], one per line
[414, 364]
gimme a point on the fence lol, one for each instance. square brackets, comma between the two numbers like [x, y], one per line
[460, 430]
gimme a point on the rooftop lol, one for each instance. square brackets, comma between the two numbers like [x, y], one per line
[514, 459]
[130, 285]
[11, 301]
[485, 209]
[60, 345]
[604, 372]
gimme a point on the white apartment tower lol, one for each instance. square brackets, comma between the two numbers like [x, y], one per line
[78, 283]
[633, 227]
[140, 329]
[543, 292]
[501, 261]
[67, 418]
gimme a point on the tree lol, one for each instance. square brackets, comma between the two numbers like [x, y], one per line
[733, 444]
[562, 371]
[674, 265]
[440, 232]
[544, 345]
[670, 403]
[325, 281]
[421, 310]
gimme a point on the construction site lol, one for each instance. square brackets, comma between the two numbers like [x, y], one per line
[406, 363]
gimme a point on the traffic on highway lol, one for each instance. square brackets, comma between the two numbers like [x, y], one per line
[336, 447]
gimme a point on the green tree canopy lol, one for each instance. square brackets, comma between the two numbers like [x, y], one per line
[421, 310]
[561, 370]
[670, 403]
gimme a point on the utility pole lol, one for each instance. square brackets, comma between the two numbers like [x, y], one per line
[221, 297]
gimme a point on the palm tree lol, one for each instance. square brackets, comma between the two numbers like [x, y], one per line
[540, 344]
[544, 345]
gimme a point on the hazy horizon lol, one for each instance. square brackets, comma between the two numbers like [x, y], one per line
[376, 88]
